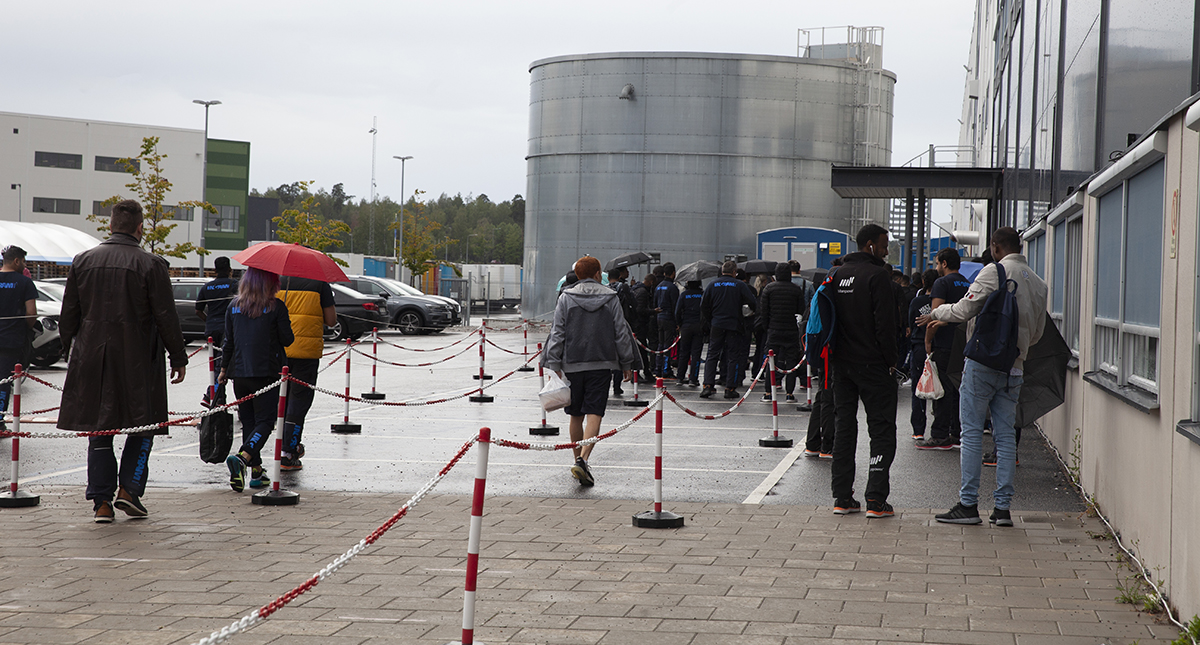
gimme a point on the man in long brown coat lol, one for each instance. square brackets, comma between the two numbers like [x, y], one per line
[118, 313]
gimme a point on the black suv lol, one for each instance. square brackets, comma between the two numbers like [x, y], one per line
[411, 314]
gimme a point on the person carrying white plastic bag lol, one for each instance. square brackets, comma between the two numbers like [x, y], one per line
[930, 386]
[588, 340]
[556, 394]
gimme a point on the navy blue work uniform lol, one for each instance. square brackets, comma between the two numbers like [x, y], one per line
[728, 342]
[919, 306]
[666, 295]
[691, 339]
[213, 301]
[253, 357]
[15, 291]
[951, 288]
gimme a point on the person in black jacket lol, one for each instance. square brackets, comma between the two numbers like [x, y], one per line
[691, 329]
[778, 307]
[616, 282]
[643, 298]
[666, 296]
[864, 351]
[211, 304]
[257, 329]
[721, 307]
[919, 306]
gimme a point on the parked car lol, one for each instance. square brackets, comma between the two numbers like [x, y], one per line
[391, 286]
[186, 291]
[411, 314]
[357, 313]
[47, 346]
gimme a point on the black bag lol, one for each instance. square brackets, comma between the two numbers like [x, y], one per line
[216, 433]
[997, 326]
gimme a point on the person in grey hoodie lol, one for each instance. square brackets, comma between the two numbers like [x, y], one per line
[589, 339]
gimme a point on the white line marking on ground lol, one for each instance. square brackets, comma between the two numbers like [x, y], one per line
[773, 478]
[72, 471]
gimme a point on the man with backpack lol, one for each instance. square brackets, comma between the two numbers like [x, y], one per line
[1008, 301]
[863, 353]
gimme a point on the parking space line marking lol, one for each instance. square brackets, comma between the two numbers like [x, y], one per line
[756, 497]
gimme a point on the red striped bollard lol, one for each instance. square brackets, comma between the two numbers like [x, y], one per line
[658, 518]
[542, 429]
[774, 441]
[525, 352]
[479, 396]
[15, 497]
[468, 632]
[345, 427]
[212, 373]
[275, 496]
[635, 402]
[807, 407]
[373, 395]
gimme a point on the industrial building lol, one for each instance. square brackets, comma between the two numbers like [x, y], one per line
[1090, 110]
[690, 155]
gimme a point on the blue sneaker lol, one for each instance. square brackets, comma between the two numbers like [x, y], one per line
[237, 472]
[259, 478]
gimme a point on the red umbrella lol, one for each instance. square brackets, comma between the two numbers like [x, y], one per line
[292, 260]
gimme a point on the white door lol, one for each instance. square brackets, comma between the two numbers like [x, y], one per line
[805, 253]
[777, 251]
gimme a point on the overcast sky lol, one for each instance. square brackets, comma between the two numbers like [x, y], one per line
[448, 80]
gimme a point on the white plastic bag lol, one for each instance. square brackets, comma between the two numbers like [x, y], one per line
[556, 394]
[930, 386]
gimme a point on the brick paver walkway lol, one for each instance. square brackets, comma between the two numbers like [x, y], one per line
[554, 571]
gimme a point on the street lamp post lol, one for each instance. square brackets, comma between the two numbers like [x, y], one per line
[204, 179]
[17, 187]
[398, 234]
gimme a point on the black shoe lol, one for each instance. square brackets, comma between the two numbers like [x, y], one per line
[791, 398]
[846, 506]
[876, 508]
[299, 450]
[935, 444]
[131, 505]
[1001, 517]
[290, 463]
[960, 514]
[989, 459]
[707, 392]
[732, 393]
[581, 472]
[693, 383]
[618, 391]
[767, 397]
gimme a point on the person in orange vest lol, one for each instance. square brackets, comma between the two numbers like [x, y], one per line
[310, 306]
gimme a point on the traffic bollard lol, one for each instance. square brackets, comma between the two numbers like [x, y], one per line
[15, 497]
[774, 441]
[635, 402]
[525, 352]
[276, 496]
[373, 395]
[345, 427]
[807, 407]
[473, 539]
[212, 373]
[658, 518]
[542, 429]
[482, 341]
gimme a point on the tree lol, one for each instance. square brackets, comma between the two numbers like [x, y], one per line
[422, 239]
[304, 227]
[151, 188]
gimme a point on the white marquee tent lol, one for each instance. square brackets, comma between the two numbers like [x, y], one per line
[46, 242]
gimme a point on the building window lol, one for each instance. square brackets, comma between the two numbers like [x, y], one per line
[178, 213]
[99, 209]
[225, 220]
[52, 205]
[1129, 279]
[1066, 277]
[1035, 253]
[58, 160]
[113, 164]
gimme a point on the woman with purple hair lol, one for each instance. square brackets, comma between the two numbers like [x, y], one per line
[257, 329]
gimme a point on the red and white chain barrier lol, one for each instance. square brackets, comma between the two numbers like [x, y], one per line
[15, 497]
[436, 349]
[635, 402]
[543, 429]
[658, 518]
[374, 395]
[774, 441]
[437, 362]
[714, 417]
[473, 537]
[276, 496]
[657, 351]
[345, 427]
[480, 397]
[524, 349]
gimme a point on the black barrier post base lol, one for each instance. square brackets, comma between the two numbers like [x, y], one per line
[635, 404]
[775, 442]
[276, 498]
[660, 520]
[525, 368]
[373, 396]
[804, 407]
[19, 499]
[485, 377]
[346, 428]
[481, 398]
[544, 430]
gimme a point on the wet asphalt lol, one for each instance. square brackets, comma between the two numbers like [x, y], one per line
[401, 448]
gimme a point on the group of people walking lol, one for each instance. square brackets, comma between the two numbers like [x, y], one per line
[594, 343]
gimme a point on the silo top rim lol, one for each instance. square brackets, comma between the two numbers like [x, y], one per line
[695, 55]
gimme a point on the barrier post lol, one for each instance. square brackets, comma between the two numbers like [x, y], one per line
[275, 496]
[525, 353]
[542, 429]
[473, 538]
[482, 341]
[635, 402]
[15, 497]
[345, 427]
[212, 372]
[774, 441]
[374, 395]
[658, 518]
[807, 406]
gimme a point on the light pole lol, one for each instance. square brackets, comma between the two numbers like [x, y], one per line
[398, 234]
[204, 179]
[17, 187]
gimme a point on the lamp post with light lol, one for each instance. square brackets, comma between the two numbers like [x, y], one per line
[204, 179]
[398, 234]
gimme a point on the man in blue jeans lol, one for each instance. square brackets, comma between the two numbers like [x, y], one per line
[984, 388]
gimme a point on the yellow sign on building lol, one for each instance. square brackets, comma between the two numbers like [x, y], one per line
[835, 248]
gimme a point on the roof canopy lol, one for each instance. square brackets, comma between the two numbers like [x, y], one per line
[46, 242]
[883, 182]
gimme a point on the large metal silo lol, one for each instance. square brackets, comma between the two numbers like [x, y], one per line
[691, 154]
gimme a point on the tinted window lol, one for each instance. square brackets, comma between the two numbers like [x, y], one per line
[58, 160]
[186, 291]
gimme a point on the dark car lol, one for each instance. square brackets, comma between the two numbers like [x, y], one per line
[357, 314]
[186, 291]
[411, 314]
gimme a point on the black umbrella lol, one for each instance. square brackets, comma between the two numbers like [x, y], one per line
[1045, 380]
[758, 266]
[814, 275]
[697, 271]
[627, 260]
